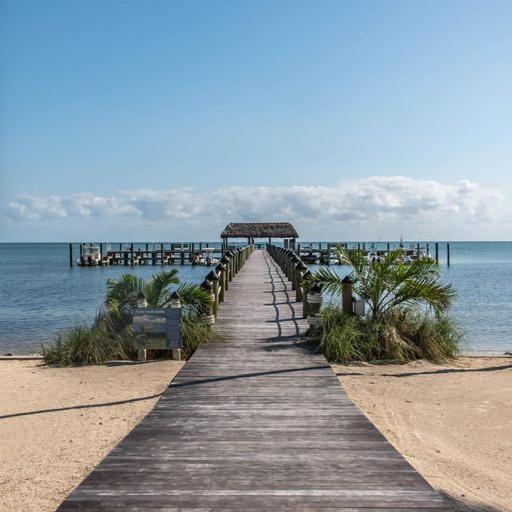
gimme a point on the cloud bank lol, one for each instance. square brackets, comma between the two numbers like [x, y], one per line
[367, 203]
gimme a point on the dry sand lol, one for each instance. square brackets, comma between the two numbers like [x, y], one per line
[45, 452]
[453, 423]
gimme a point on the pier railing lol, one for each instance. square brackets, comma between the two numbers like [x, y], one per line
[306, 291]
[217, 280]
[296, 271]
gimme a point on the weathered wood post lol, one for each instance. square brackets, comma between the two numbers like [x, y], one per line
[221, 272]
[305, 277]
[225, 261]
[101, 254]
[131, 254]
[300, 268]
[387, 247]
[437, 253]
[208, 318]
[162, 254]
[71, 254]
[214, 279]
[418, 250]
[293, 270]
[141, 303]
[346, 295]
[175, 304]
[314, 298]
[448, 253]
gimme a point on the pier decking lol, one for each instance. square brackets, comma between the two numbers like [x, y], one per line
[256, 422]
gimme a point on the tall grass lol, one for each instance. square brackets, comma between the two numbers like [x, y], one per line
[402, 335]
[110, 336]
[195, 332]
[91, 344]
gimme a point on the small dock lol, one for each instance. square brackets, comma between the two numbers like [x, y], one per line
[254, 423]
[196, 253]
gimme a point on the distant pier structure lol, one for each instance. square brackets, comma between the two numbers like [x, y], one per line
[236, 234]
[267, 231]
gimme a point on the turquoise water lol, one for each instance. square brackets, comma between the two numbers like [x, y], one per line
[40, 294]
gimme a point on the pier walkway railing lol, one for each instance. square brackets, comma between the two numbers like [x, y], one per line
[255, 422]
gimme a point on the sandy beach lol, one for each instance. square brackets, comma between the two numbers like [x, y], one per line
[451, 422]
[56, 424]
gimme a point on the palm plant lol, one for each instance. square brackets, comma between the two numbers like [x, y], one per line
[389, 283]
[122, 294]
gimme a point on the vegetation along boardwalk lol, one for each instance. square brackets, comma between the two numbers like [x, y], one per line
[256, 422]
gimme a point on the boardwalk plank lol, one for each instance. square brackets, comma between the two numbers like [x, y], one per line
[255, 422]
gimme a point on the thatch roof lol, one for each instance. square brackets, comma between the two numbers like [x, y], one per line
[259, 230]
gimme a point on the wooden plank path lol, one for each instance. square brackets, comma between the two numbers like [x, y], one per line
[254, 423]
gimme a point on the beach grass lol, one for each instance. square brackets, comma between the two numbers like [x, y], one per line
[402, 335]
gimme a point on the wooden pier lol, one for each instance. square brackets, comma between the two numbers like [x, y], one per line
[181, 253]
[256, 422]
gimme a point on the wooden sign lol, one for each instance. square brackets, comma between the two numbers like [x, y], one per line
[158, 328]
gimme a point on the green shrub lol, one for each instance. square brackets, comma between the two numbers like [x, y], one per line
[84, 344]
[402, 335]
[195, 332]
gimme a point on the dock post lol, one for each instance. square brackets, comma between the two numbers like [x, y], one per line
[448, 254]
[70, 254]
[387, 247]
[221, 272]
[225, 261]
[101, 254]
[437, 253]
[346, 295]
[209, 317]
[300, 268]
[162, 254]
[305, 292]
[131, 255]
[213, 278]
[418, 250]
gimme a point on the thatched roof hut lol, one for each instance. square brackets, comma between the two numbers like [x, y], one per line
[259, 230]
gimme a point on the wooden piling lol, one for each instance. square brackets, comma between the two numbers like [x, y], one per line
[346, 295]
[131, 255]
[70, 254]
[448, 253]
[437, 252]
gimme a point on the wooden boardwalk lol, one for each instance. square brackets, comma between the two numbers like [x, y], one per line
[255, 423]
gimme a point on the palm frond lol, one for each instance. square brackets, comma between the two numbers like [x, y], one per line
[156, 287]
[194, 299]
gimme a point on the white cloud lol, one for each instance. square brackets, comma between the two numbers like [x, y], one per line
[394, 201]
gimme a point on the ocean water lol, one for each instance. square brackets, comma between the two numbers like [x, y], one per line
[40, 294]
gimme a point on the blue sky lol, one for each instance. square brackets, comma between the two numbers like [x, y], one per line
[122, 118]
